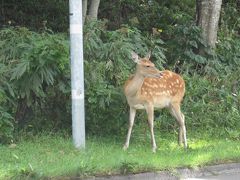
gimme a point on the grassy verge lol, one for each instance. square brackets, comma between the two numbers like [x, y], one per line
[55, 156]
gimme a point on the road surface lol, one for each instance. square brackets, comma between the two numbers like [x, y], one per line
[225, 176]
[217, 172]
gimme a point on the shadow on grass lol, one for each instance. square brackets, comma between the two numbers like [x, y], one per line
[27, 174]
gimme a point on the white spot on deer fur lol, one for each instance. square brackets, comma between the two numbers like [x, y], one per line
[155, 85]
[147, 84]
[177, 81]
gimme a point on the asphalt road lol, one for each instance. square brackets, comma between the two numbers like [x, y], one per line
[229, 171]
[226, 176]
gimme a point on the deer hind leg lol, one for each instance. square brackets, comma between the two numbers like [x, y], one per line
[150, 113]
[132, 114]
[176, 112]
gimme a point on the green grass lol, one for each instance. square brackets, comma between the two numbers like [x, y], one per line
[54, 156]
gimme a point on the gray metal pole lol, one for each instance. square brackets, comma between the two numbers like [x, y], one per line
[77, 73]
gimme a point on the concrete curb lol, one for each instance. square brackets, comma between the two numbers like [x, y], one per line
[210, 171]
[182, 173]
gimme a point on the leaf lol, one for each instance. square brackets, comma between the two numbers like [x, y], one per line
[193, 43]
[200, 59]
[19, 70]
[15, 156]
[10, 90]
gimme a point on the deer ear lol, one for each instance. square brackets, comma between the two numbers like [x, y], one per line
[135, 57]
[148, 55]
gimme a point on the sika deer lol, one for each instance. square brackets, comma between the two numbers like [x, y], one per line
[150, 88]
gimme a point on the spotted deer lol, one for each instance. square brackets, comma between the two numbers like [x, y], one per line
[150, 88]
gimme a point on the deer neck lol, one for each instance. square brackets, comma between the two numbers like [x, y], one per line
[134, 85]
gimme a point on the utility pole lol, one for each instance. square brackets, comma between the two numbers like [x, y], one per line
[77, 73]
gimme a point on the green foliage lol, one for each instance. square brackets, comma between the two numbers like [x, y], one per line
[128, 167]
[6, 126]
[228, 55]
[6, 118]
[230, 21]
[35, 60]
[210, 105]
[34, 71]
[107, 66]
[36, 15]
[183, 47]
[146, 15]
[37, 68]
[105, 100]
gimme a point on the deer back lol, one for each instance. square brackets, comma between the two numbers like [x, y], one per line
[160, 92]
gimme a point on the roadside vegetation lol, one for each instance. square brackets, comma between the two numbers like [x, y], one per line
[35, 106]
[48, 156]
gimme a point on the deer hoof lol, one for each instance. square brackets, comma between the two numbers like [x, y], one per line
[154, 149]
[125, 147]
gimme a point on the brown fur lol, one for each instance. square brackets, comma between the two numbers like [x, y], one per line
[150, 88]
[170, 83]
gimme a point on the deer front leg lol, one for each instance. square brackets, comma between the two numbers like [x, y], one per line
[132, 114]
[150, 113]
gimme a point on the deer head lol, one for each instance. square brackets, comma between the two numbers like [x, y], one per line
[145, 67]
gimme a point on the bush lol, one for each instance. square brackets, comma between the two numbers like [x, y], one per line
[36, 15]
[37, 69]
[210, 104]
[6, 126]
[6, 117]
[183, 49]
[107, 66]
[35, 79]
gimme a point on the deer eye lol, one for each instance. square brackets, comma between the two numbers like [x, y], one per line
[148, 66]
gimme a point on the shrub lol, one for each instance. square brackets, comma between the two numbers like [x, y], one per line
[36, 15]
[107, 66]
[6, 126]
[37, 69]
[35, 79]
[183, 49]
